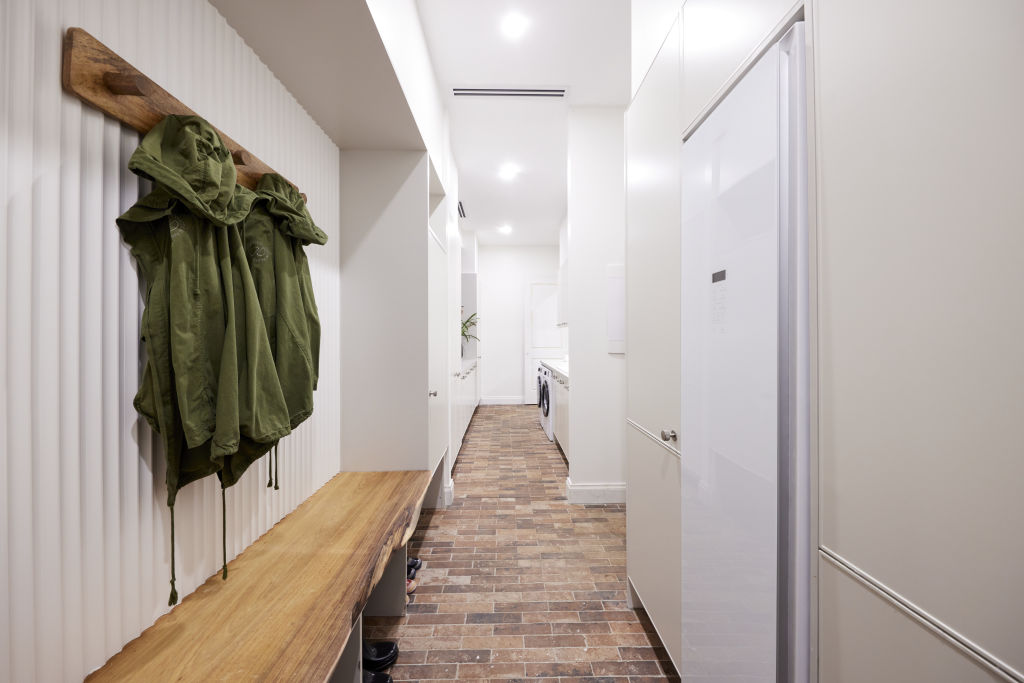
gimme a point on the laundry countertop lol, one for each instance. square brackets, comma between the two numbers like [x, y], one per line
[559, 366]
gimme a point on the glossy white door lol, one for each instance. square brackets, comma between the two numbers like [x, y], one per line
[730, 378]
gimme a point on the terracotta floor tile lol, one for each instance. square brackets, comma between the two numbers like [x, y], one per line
[516, 583]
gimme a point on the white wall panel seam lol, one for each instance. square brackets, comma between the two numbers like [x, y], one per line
[19, 360]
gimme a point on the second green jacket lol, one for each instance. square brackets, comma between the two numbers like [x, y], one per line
[275, 232]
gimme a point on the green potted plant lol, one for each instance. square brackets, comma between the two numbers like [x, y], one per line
[467, 325]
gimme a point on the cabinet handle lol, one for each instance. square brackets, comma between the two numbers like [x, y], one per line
[434, 393]
[668, 435]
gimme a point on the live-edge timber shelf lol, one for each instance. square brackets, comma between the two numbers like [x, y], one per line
[287, 608]
[100, 77]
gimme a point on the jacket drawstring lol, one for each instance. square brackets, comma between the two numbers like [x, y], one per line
[270, 469]
[224, 532]
[277, 467]
[173, 599]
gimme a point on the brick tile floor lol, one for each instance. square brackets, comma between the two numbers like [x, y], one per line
[517, 583]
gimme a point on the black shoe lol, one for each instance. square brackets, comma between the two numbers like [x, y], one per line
[411, 574]
[380, 655]
[376, 677]
[415, 563]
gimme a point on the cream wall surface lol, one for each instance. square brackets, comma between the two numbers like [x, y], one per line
[84, 529]
[920, 327]
[504, 278]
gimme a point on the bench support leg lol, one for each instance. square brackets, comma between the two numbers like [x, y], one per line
[388, 598]
[349, 668]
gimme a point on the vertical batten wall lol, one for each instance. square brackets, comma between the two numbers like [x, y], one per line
[84, 557]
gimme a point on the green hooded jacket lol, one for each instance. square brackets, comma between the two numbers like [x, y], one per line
[275, 232]
[210, 386]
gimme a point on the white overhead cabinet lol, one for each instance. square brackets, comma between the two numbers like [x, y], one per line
[395, 331]
[653, 559]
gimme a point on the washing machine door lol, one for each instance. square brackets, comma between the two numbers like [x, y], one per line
[545, 399]
[540, 391]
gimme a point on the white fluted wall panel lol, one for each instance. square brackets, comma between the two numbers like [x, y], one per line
[84, 529]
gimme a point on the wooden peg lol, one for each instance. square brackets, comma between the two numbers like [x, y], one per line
[241, 158]
[304, 198]
[127, 84]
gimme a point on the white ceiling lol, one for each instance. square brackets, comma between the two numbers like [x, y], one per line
[331, 58]
[579, 45]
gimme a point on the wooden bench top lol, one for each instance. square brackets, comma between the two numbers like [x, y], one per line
[288, 605]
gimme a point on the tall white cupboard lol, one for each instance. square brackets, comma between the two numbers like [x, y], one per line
[705, 45]
[921, 222]
[916, 209]
[653, 507]
[394, 294]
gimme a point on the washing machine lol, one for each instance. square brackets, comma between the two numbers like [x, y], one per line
[545, 403]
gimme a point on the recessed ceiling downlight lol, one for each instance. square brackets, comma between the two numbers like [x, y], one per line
[514, 25]
[505, 229]
[509, 170]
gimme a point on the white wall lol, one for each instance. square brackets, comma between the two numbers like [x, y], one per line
[384, 274]
[398, 22]
[504, 276]
[563, 241]
[650, 21]
[597, 238]
[920, 326]
[469, 252]
[84, 556]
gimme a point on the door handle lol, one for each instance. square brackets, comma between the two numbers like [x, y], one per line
[668, 435]
[434, 393]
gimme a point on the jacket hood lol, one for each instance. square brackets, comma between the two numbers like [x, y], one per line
[187, 158]
[285, 205]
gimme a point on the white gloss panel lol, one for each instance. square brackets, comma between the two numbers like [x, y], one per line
[729, 339]
[84, 529]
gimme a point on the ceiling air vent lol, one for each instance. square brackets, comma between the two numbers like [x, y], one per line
[508, 92]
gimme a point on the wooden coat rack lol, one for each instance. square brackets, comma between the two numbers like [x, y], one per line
[100, 77]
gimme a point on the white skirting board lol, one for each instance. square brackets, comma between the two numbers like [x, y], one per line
[601, 492]
[501, 401]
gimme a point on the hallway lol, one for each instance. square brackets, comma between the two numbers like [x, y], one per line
[516, 582]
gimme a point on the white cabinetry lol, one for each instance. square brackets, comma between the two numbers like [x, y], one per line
[437, 347]
[653, 503]
[560, 388]
[465, 399]
[466, 380]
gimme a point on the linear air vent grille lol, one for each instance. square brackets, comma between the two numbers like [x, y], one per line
[462, 212]
[508, 92]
